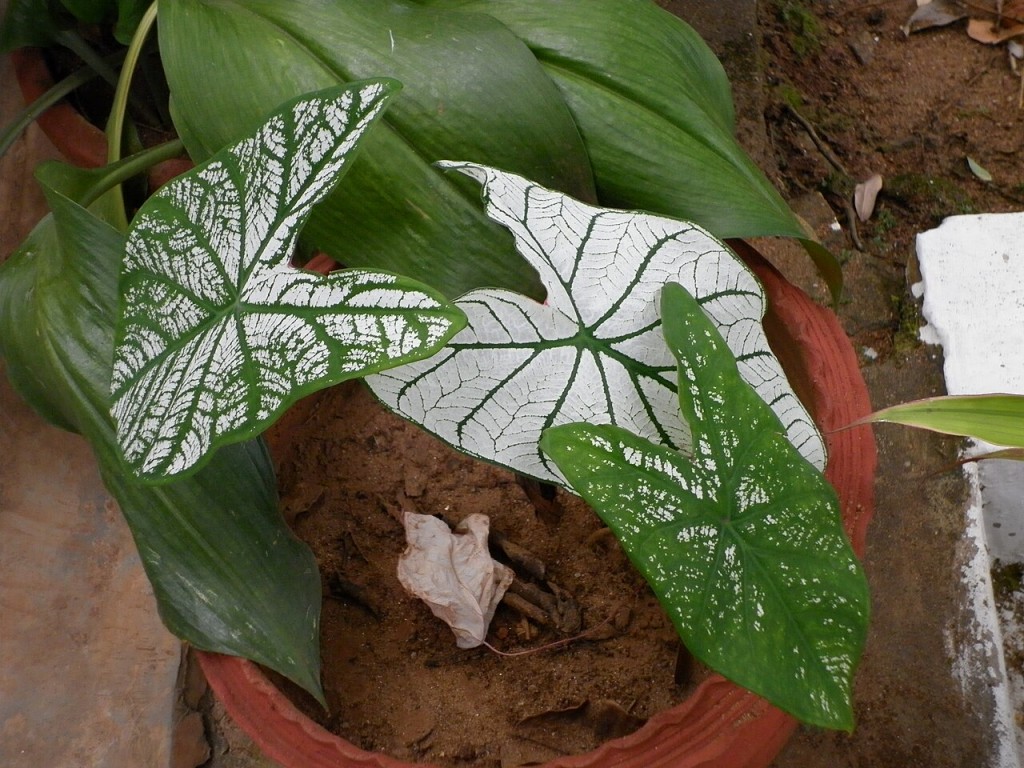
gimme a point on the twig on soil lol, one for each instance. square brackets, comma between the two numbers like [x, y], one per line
[851, 223]
[518, 555]
[556, 644]
[820, 143]
[836, 163]
[556, 609]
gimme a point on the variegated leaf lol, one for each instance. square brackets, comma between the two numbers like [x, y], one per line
[742, 542]
[218, 333]
[594, 351]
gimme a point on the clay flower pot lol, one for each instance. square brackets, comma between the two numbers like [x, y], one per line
[721, 725]
[80, 142]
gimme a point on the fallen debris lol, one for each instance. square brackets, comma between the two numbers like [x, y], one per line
[864, 196]
[453, 573]
[936, 13]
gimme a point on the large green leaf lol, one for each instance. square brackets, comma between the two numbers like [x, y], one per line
[742, 543]
[228, 574]
[654, 107]
[471, 89]
[594, 350]
[219, 333]
[32, 22]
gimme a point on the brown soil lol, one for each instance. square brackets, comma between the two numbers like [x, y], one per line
[395, 680]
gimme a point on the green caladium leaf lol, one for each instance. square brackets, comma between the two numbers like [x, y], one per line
[227, 572]
[742, 542]
[594, 351]
[219, 334]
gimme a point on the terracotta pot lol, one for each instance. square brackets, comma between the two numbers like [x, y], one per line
[79, 141]
[721, 725]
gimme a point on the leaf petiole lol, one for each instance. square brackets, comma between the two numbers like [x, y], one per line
[115, 126]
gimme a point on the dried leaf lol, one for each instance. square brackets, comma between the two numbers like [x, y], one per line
[606, 718]
[453, 573]
[864, 196]
[978, 170]
[985, 31]
[937, 13]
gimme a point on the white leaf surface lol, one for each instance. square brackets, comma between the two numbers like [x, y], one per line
[219, 333]
[453, 573]
[593, 352]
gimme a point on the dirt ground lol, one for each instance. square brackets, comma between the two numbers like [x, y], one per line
[912, 109]
[395, 680]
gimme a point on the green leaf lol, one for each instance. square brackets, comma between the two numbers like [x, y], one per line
[228, 574]
[594, 350]
[32, 23]
[651, 102]
[470, 89]
[219, 333]
[654, 107]
[742, 543]
[997, 419]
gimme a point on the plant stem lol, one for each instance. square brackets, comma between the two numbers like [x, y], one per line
[132, 166]
[115, 128]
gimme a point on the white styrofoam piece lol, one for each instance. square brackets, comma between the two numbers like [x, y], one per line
[972, 271]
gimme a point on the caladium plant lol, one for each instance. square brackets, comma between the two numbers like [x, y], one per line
[219, 333]
[216, 334]
[741, 540]
[593, 351]
[696, 452]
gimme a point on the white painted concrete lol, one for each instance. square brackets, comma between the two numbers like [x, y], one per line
[973, 286]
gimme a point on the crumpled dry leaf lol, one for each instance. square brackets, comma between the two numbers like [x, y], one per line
[864, 196]
[984, 31]
[453, 573]
[978, 170]
[937, 13]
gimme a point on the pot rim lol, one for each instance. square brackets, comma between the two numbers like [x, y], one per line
[720, 725]
[80, 142]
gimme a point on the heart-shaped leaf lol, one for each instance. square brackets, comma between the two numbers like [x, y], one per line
[594, 351]
[219, 334]
[743, 542]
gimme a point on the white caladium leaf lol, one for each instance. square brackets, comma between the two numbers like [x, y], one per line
[594, 351]
[218, 332]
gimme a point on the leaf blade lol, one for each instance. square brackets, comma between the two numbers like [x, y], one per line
[996, 418]
[593, 351]
[219, 333]
[742, 542]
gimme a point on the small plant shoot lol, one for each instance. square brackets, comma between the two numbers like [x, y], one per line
[593, 351]
[219, 333]
[742, 542]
